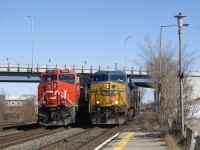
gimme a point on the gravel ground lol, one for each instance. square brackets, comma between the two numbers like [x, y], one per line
[145, 121]
[37, 143]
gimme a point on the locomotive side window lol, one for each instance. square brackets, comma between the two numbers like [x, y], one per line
[68, 78]
[99, 78]
[47, 78]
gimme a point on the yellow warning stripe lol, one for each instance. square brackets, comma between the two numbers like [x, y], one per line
[124, 141]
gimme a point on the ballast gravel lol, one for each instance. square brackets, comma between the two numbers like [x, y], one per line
[40, 142]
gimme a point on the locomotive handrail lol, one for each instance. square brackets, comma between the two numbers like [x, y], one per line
[59, 93]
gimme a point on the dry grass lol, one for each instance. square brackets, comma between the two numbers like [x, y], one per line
[148, 121]
[18, 114]
[172, 142]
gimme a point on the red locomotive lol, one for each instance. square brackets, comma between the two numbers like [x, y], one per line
[61, 93]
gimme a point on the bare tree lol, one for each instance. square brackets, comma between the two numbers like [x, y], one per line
[166, 80]
[24, 113]
[2, 109]
[28, 110]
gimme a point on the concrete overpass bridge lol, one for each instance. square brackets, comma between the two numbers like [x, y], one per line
[25, 73]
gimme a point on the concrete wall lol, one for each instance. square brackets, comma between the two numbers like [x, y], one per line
[192, 140]
[194, 78]
[197, 145]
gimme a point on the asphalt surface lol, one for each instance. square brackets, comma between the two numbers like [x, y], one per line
[137, 141]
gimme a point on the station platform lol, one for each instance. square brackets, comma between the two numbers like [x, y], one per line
[135, 141]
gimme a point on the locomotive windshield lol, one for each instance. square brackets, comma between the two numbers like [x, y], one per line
[47, 78]
[118, 78]
[68, 78]
[115, 76]
[100, 77]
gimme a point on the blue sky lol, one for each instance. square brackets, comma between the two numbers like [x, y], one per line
[71, 32]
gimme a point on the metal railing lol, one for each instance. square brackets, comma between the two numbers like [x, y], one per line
[79, 69]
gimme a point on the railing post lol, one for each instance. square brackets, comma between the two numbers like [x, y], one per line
[74, 68]
[56, 66]
[18, 69]
[8, 67]
[99, 68]
[28, 68]
[37, 68]
[91, 69]
[82, 69]
[132, 70]
[124, 69]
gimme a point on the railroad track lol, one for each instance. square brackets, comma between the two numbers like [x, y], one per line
[16, 128]
[87, 139]
[17, 138]
[19, 126]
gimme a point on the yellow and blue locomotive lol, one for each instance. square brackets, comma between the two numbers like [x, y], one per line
[112, 98]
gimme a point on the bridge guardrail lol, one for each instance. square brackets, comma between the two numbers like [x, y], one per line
[79, 69]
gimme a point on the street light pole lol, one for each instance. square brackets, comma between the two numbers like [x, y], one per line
[160, 64]
[160, 53]
[125, 47]
[32, 42]
[181, 75]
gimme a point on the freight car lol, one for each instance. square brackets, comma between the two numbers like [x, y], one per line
[61, 95]
[113, 99]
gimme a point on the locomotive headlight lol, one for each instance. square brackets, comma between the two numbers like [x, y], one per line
[116, 102]
[107, 85]
[97, 102]
[44, 102]
[55, 85]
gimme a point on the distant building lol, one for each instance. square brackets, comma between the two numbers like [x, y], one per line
[194, 78]
[17, 100]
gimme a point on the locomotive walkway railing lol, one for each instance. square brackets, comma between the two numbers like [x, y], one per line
[79, 69]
